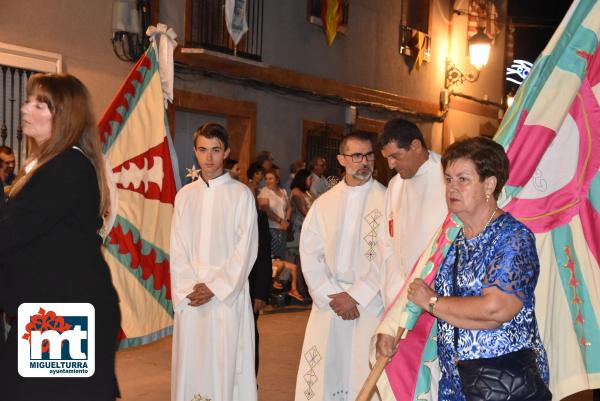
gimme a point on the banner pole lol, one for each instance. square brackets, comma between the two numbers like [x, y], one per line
[368, 388]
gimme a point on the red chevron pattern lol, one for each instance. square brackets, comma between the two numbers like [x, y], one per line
[147, 263]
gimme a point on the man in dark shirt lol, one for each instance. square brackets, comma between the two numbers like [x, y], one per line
[260, 276]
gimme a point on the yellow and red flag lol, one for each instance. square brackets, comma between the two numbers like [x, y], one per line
[331, 16]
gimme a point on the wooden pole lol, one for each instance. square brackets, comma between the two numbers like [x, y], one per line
[368, 388]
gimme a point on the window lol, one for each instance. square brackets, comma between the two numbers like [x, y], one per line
[322, 139]
[206, 28]
[415, 20]
[415, 13]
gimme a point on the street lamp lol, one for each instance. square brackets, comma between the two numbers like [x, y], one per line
[479, 49]
[479, 53]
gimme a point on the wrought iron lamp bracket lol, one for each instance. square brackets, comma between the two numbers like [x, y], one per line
[455, 76]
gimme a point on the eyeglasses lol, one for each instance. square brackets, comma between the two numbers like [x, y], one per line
[358, 157]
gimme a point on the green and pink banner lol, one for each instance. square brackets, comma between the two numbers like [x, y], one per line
[552, 137]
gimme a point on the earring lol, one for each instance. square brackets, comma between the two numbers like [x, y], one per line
[487, 198]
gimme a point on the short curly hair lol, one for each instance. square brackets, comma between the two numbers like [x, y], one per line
[489, 158]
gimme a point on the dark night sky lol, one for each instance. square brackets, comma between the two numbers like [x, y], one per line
[538, 10]
[536, 21]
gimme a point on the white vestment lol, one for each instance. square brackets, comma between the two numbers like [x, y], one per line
[414, 210]
[338, 252]
[214, 240]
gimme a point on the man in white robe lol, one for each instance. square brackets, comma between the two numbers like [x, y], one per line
[338, 254]
[415, 208]
[214, 242]
[415, 203]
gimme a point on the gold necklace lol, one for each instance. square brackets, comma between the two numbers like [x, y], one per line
[486, 224]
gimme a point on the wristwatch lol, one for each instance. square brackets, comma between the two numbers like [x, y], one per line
[432, 302]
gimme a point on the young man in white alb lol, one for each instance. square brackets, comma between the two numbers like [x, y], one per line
[214, 241]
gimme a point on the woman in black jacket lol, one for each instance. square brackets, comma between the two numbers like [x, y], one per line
[50, 242]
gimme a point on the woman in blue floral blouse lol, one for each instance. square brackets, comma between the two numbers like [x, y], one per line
[493, 306]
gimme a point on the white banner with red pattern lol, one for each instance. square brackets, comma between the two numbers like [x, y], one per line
[134, 135]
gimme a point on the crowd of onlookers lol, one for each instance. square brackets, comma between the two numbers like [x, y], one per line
[286, 205]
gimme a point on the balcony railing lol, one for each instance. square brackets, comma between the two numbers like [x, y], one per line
[409, 40]
[206, 28]
[13, 92]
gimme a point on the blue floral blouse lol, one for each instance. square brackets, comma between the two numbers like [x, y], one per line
[502, 256]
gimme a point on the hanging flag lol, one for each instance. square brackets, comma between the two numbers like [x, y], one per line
[552, 138]
[420, 37]
[331, 16]
[235, 19]
[135, 142]
[483, 13]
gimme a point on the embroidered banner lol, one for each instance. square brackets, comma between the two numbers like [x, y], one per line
[134, 137]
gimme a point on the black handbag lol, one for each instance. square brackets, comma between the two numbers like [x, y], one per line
[509, 377]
